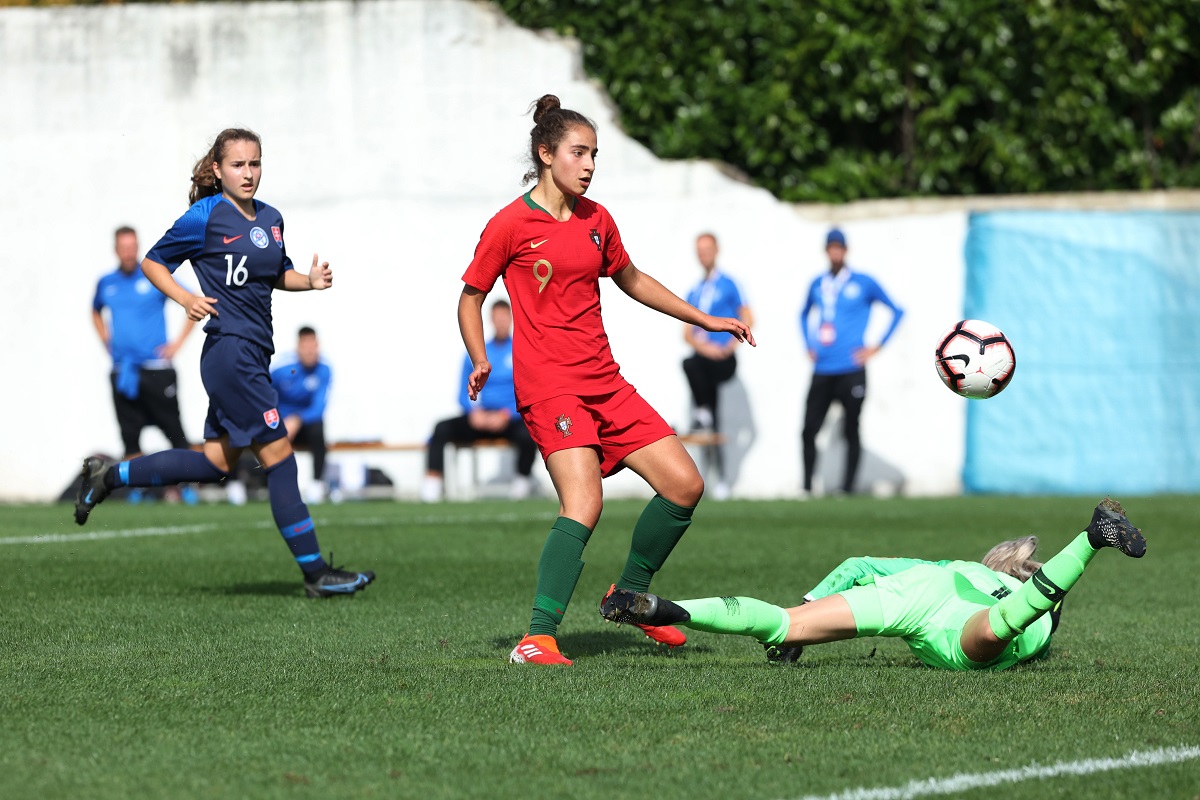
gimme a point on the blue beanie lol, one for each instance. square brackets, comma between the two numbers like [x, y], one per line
[835, 236]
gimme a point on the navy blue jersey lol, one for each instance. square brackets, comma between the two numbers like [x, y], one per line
[138, 327]
[237, 261]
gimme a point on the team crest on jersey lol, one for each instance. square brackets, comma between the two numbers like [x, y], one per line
[595, 234]
[277, 232]
[271, 417]
[259, 237]
[563, 423]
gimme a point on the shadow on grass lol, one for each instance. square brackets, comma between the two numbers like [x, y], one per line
[592, 643]
[265, 589]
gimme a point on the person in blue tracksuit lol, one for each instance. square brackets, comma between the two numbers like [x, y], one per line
[236, 246]
[833, 336]
[493, 415]
[302, 380]
[128, 314]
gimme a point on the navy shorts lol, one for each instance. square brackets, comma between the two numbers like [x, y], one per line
[241, 401]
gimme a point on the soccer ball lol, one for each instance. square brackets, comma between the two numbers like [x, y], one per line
[974, 359]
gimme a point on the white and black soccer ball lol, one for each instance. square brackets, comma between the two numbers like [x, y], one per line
[974, 359]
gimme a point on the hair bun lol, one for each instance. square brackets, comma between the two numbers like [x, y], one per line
[544, 104]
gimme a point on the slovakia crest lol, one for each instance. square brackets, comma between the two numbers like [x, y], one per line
[563, 423]
[271, 417]
[277, 232]
[259, 237]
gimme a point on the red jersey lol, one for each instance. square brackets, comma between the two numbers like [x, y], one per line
[552, 271]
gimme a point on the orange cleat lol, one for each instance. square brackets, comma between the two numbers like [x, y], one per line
[661, 634]
[538, 650]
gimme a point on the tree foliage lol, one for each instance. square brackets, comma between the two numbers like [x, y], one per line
[837, 100]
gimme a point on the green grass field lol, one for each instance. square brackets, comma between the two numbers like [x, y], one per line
[180, 658]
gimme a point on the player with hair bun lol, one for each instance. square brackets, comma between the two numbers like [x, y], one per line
[235, 245]
[552, 246]
[956, 615]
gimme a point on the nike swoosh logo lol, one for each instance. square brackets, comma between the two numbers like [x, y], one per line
[229, 239]
[536, 245]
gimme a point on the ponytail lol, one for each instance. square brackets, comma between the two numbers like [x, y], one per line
[204, 180]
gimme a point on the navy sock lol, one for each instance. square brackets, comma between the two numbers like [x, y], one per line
[164, 469]
[291, 516]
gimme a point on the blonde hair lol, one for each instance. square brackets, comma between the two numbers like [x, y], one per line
[1014, 557]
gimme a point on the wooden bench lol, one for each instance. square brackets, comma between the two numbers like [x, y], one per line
[452, 486]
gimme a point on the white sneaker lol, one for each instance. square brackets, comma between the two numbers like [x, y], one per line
[720, 491]
[521, 488]
[235, 493]
[314, 493]
[431, 489]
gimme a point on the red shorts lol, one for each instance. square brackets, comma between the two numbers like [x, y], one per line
[615, 425]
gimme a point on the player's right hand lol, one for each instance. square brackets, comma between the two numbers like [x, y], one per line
[478, 377]
[200, 307]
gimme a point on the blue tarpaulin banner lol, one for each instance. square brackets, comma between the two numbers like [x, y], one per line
[1103, 311]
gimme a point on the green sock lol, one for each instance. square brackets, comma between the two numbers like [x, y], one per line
[558, 572]
[655, 535]
[744, 616]
[1012, 615]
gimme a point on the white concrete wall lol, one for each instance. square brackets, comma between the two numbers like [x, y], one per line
[392, 131]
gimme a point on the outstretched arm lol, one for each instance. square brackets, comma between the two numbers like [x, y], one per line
[652, 294]
[859, 571]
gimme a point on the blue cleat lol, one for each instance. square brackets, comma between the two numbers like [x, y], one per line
[92, 490]
[334, 581]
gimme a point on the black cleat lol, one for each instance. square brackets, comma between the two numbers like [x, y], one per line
[1110, 528]
[641, 608]
[92, 490]
[334, 581]
[783, 654]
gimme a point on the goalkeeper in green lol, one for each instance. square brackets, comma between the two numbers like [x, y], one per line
[959, 615]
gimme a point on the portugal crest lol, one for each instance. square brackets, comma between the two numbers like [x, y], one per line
[271, 417]
[595, 234]
[563, 423]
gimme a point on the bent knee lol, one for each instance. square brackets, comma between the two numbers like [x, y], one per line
[686, 490]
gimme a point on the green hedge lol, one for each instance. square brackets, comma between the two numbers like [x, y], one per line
[837, 100]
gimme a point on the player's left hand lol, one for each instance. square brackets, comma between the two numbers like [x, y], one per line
[167, 350]
[320, 276]
[864, 354]
[739, 329]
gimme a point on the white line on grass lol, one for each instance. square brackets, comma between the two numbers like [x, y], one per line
[977, 780]
[128, 533]
[181, 530]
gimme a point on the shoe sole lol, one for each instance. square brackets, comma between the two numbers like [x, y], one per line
[1120, 533]
[82, 509]
[636, 609]
[316, 592]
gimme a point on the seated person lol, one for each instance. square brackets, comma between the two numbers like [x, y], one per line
[302, 381]
[493, 416]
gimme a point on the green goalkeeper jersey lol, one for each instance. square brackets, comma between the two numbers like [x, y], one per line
[927, 603]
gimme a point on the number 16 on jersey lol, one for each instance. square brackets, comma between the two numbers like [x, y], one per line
[235, 276]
